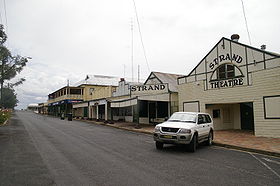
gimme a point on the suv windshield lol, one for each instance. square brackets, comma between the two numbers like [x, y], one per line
[183, 117]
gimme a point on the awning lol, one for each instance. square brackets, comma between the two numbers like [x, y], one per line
[155, 97]
[79, 105]
[98, 102]
[124, 103]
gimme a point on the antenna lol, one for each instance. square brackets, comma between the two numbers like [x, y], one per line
[124, 70]
[132, 48]
[67, 82]
[138, 73]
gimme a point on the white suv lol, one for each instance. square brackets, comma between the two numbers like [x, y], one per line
[185, 128]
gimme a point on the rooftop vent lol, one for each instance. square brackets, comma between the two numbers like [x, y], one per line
[263, 47]
[235, 37]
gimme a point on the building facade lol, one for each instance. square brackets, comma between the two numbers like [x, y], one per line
[61, 101]
[96, 89]
[238, 85]
[149, 103]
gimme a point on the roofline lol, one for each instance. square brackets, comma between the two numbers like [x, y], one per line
[149, 77]
[275, 55]
[63, 88]
[153, 72]
[97, 85]
[167, 73]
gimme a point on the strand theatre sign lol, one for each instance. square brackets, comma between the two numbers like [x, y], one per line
[149, 89]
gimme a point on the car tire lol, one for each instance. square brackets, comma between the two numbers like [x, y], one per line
[210, 139]
[193, 144]
[159, 145]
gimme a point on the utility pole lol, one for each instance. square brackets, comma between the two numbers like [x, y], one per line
[138, 73]
[132, 49]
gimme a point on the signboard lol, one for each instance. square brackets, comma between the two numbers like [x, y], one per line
[149, 89]
[65, 101]
[98, 102]
[226, 66]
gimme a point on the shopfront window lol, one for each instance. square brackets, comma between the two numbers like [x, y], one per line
[143, 108]
[162, 109]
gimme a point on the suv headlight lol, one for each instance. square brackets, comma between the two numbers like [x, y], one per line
[157, 128]
[185, 131]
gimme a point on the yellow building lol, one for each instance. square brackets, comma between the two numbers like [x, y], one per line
[96, 89]
[238, 85]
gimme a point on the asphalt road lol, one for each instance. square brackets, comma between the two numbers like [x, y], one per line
[42, 150]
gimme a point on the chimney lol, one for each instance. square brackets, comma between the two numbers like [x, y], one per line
[263, 47]
[235, 37]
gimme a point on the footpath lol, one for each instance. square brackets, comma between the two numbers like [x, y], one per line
[235, 139]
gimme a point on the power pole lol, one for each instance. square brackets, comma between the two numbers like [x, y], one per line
[132, 49]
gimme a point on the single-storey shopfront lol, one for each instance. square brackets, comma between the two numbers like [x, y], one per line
[151, 102]
[238, 85]
[80, 110]
[98, 109]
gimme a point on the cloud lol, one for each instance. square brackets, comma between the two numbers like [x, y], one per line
[68, 39]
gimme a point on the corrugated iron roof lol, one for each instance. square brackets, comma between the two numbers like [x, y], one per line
[99, 80]
[171, 79]
[102, 80]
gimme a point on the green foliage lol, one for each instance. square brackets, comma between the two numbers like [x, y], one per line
[9, 99]
[4, 115]
[3, 36]
[10, 66]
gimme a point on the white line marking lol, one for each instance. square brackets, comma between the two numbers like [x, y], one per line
[266, 165]
[272, 161]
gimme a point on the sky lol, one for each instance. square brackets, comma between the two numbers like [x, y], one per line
[68, 39]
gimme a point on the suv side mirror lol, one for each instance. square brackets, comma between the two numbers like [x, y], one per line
[166, 118]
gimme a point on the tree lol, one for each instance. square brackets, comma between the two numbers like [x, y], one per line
[10, 65]
[9, 98]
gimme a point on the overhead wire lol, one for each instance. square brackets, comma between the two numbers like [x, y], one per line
[1, 22]
[140, 33]
[246, 22]
[247, 28]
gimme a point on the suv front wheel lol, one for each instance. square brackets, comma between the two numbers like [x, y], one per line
[193, 144]
[159, 145]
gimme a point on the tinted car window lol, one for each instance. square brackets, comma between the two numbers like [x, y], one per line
[204, 118]
[201, 119]
[208, 119]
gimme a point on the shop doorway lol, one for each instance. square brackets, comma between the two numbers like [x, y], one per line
[152, 112]
[101, 111]
[247, 116]
[85, 111]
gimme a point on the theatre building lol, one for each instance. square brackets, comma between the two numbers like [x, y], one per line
[238, 85]
[150, 102]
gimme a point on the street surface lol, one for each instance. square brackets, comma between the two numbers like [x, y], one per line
[43, 150]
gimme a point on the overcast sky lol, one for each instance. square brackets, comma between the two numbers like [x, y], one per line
[68, 39]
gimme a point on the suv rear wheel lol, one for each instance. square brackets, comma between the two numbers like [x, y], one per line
[210, 138]
[159, 145]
